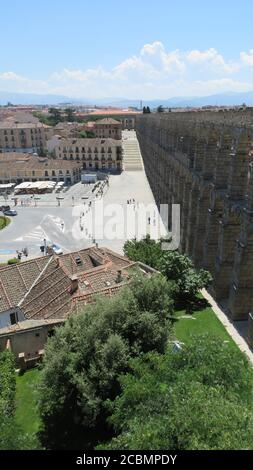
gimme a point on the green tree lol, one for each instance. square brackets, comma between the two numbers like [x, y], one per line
[147, 251]
[87, 134]
[55, 114]
[176, 267]
[197, 398]
[160, 109]
[85, 357]
[180, 269]
[69, 114]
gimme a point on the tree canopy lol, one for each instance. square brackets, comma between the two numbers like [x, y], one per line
[160, 109]
[197, 398]
[176, 267]
[85, 357]
[146, 110]
[147, 251]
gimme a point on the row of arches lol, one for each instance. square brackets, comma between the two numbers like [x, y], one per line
[207, 169]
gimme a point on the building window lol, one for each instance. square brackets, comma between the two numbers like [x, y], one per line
[13, 318]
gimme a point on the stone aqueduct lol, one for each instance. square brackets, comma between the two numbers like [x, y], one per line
[203, 161]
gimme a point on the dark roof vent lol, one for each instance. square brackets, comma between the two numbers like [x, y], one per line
[78, 261]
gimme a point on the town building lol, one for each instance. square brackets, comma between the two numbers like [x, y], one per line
[98, 154]
[39, 294]
[69, 129]
[19, 167]
[24, 136]
[107, 128]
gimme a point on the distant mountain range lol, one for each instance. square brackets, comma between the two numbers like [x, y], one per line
[30, 98]
[222, 99]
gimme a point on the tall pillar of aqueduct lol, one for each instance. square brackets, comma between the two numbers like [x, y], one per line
[203, 161]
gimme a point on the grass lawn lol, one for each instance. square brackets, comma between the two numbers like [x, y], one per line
[200, 322]
[26, 412]
[4, 221]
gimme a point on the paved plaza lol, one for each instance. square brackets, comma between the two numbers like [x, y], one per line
[82, 219]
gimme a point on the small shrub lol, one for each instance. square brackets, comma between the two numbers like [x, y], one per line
[13, 261]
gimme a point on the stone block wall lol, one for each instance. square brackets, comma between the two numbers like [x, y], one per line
[202, 161]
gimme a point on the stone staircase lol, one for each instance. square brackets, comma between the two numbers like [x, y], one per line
[132, 159]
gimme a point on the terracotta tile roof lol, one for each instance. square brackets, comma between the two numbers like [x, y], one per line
[16, 280]
[76, 262]
[86, 142]
[50, 297]
[31, 162]
[118, 260]
[12, 124]
[44, 288]
[107, 121]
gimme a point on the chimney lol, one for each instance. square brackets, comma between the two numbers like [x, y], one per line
[57, 260]
[74, 284]
[96, 244]
[119, 276]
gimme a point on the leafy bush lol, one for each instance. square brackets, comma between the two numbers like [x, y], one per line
[13, 261]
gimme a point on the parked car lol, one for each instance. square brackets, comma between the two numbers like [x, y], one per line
[57, 249]
[4, 208]
[10, 212]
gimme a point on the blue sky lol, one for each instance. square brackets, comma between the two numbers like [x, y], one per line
[135, 49]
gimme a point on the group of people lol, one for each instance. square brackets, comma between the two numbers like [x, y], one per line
[24, 252]
[134, 203]
[86, 210]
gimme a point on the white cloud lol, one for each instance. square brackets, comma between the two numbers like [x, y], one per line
[247, 58]
[154, 72]
[212, 59]
[12, 76]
